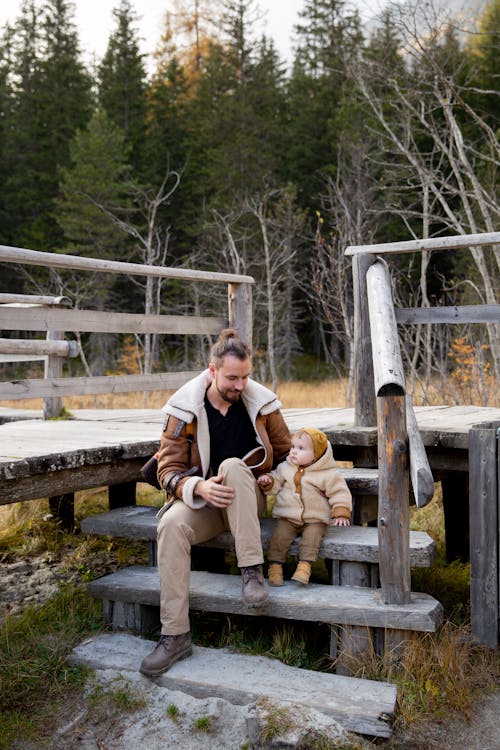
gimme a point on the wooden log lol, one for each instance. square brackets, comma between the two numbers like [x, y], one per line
[393, 520]
[365, 409]
[95, 321]
[420, 471]
[59, 260]
[434, 243]
[34, 299]
[484, 533]
[387, 363]
[240, 310]
[54, 347]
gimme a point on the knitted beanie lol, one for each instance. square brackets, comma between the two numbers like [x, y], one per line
[319, 441]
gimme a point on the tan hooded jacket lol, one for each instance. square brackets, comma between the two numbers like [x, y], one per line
[317, 492]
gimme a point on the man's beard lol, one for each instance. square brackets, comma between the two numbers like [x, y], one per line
[229, 399]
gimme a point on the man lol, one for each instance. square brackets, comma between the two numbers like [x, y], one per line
[223, 430]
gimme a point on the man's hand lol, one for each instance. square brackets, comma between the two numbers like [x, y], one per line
[214, 493]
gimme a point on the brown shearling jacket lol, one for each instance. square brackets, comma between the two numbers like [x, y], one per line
[185, 441]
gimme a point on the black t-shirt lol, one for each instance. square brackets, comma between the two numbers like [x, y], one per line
[231, 435]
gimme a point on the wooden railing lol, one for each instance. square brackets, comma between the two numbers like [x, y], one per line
[43, 314]
[401, 454]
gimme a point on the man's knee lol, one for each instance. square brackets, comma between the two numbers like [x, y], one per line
[234, 470]
[175, 521]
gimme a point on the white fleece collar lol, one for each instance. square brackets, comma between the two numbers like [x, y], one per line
[188, 401]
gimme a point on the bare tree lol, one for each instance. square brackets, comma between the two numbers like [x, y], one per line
[456, 169]
[152, 238]
[347, 205]
[257, 236]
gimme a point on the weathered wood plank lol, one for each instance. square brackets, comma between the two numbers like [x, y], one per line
[355, 543]
[59, 260]
[434, 243]
[463, 314]
[43, 387]
[65, 481]
[420, 471]
[94, 321]
[215, 592]
[484, 534]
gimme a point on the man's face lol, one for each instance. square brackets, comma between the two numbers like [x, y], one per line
[231, 377]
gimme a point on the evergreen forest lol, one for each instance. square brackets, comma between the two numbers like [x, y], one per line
[224, 157]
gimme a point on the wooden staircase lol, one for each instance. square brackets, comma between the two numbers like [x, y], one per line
[351, 603]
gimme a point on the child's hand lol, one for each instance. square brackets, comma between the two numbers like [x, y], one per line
[265, 480]
[341, 521]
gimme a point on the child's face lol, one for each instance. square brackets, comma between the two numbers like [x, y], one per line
[302, 451]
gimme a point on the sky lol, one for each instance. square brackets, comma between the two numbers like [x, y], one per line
[95, 21]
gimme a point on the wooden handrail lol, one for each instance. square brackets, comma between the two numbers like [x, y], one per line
[387, 363]
[452, 242]
[46, 313]
[76, 262]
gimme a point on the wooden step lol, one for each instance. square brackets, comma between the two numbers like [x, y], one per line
[359, 705]
[352, 543]
[216, 592]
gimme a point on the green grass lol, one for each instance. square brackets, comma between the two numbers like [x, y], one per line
[35, 676]
[203, 724]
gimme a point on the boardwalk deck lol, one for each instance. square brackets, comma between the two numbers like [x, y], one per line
[105, 447]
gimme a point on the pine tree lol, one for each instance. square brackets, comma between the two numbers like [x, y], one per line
[122, 80]
[92, 188]
[328, 37]
[51, 99]
[236, 111]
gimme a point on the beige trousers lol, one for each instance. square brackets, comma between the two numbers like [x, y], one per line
[181, 526]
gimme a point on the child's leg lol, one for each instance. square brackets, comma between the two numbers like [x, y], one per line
[311, 537]
[310, 542]
[283, 535]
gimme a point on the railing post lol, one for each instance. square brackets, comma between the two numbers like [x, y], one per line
[394, 516]
[52, 405]
[240, 310]
[365, 410]
[394, 511]
[484, 508]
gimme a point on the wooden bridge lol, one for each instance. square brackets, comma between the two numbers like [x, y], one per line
[397, 453]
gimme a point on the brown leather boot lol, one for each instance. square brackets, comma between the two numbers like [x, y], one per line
[254, 591]
[303, 572]
[275, 574]
[168, 650]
